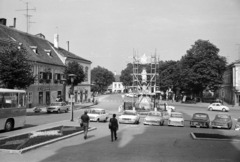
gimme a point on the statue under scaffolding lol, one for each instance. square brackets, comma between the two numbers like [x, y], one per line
[144, 81]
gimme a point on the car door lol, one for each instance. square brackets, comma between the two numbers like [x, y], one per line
[218, 106]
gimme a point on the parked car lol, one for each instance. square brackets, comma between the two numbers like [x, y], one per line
[98, 114]
[168, 107]
[218, 106]
[237, 125]
[222, 121]
[154, 118]
[200, 120]
[58, 107]
[129, 116]
[131, 95]
[176, 119]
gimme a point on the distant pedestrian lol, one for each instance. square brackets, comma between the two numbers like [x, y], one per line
[85, 123]
[113, 126]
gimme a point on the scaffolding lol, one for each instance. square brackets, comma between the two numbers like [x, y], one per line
[138, 84]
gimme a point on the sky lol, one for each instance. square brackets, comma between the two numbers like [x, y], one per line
[107, 32]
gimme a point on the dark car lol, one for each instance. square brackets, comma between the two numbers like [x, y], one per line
[222, 121]
[200, 120]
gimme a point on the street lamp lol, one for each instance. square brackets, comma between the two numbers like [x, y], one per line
[72, 77]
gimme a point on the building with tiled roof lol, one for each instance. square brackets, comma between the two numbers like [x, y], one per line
[49, 62]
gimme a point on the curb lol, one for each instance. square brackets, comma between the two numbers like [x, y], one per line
[213, 139]
[44, 143]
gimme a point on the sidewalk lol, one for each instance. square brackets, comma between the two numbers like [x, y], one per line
[199, 104]
[76, 106]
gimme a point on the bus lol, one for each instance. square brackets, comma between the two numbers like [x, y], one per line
[13, 110]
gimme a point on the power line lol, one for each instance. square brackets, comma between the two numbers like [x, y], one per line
[27, 15]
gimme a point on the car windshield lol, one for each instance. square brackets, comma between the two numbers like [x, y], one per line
[155, 114]
[94, 112]
[200, 116]
[129, 113]
[176, 115]
[56, 104]
[222, 117]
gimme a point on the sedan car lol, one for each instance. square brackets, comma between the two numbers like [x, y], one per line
[58, 107]
[154, 118]
[129, 116]
[131, 95]
[222, 121]
[168, 107]
[98, 114]
[200, 120]
[217, 106]
[237, 125]
[176, 119]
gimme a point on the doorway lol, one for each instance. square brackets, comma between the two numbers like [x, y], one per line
[48, 98]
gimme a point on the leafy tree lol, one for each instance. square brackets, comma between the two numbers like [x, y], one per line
[126, 75]
[15, 69]
[202, 67]
[168, 75]
[74, 68]
[101, 78]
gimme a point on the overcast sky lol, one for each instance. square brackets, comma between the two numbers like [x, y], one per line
[107, 31]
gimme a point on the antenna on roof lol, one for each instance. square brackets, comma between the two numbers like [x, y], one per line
[27, 15]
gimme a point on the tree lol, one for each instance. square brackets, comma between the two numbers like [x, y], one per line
[15, 69]
[74, 68]
[168, 75]
[101, 78]
[202, 67]
[126, 75]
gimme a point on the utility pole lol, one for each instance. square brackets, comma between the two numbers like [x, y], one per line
[27, 15]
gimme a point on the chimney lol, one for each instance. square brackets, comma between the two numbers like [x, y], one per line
[56, 39]
[14, 22]
[3, 21]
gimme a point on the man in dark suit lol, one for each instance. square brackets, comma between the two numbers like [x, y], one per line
[113, 126]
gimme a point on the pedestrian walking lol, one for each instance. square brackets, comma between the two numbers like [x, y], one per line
[113, 126]
[85, 123]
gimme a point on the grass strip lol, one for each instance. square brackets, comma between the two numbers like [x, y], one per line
[29, 139]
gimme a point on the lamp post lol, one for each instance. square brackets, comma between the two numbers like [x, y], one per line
[72, 77]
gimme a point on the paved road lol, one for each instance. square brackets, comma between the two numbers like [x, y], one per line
[136, 143]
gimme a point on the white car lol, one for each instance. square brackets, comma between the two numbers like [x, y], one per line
[154, 118]
[131, 95]
[218, 106]
[98, 114]
[168, 107]
[58, 107]
[129, 116]
[176, 119]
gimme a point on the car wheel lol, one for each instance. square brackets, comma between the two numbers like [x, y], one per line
[98, 120]
[66, 110]
[105, 119]
[162, 123]
[224, 110]
[58, 111]
[9, 125]
[210, 109]
[48, 111]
